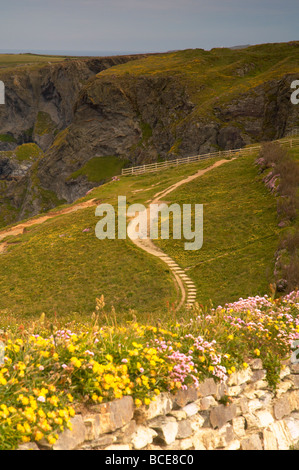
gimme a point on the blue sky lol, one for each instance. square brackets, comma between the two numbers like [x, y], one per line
[140, 25]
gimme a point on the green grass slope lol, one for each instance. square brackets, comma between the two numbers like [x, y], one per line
[57, 268]
[240, 233]
[60, 268]
[9, 61]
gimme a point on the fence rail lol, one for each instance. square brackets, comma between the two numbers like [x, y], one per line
[151, 167]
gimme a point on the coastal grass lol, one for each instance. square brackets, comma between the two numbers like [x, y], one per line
[100, 168]
[8, 61]
[60, 267]
[217, 76]
[240, 234]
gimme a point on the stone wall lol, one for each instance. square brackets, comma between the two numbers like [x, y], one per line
[242, 414]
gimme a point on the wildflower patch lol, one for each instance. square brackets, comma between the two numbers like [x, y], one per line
[49, 370]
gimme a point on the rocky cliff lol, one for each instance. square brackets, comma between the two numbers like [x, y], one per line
[39, 103]
[152, 108]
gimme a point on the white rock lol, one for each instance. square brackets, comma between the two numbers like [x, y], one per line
[234, 445]
[240, 377]
[254, 405]
[293, 426]
[142, 437]
[191, 409]
[166, 428]
[265, 418]
[282, 435]
[239, 426]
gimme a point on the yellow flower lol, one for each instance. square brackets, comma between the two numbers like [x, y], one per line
[147, 401]
[45, 426]
[76, 362]
[138, 402]
[29, 414]
[71, 348]
[70, 398]
[54, 400]
[45, 354]
[38, 435]
[245, 365]
[41, 413]
[27, 427]
[230, 337]
[20, 428]
[211, 369]
[25, 401]
[257, 352]
[51, 440]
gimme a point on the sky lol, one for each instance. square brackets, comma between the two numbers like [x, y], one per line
[144, 25]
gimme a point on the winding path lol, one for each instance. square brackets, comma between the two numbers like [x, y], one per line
[184, 282]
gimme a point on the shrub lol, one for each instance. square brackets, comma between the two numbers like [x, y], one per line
[283, 180]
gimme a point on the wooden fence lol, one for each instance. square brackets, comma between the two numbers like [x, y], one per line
[137, 170]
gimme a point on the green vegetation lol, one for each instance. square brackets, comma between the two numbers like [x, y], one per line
[44, 124]
[147, 131]
[100, 168]
[7, 138]
[28, 152]
[52, 370]
[24, 152]
[60, 266]
[57, 268]
[281, 172]
[217, 76]
[240, 233]
[8, 61]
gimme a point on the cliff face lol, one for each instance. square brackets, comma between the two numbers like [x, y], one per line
[39, 104]
[150, 118]
[136, 111]
[40, 100]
